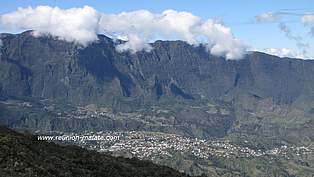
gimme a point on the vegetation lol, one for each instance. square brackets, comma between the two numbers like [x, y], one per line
[262, 101]
[22, 156]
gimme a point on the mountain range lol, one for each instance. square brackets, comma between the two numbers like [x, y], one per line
[174, 88]
[50, 68]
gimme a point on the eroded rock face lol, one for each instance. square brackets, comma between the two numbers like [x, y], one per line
[52, 85]
[173, 75]
[49, 68]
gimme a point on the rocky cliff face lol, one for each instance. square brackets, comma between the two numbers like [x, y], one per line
[189, 86]
[49, 85]
[49, 68]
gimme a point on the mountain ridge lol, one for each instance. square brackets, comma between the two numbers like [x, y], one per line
[173, 75]
[263, 101]
[138, 75]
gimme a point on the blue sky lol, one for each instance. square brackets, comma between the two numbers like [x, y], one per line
[238, 15]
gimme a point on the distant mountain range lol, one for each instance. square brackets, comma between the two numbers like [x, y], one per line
[49, 85]
[49, 68]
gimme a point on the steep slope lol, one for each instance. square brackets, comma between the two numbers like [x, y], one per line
[261, 101]
[264, 95]
[49, 68]
[22, 155]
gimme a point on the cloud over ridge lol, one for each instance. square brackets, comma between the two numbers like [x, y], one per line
[81, 25]
[75, 24]
[284, 52]
[282, 18]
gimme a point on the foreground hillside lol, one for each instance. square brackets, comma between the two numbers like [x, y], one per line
[22, 155]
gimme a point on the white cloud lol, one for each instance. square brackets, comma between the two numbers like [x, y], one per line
[140, 27]
[308, 20]
[299, 40]
[134, 44]
[285, 52]
[273, 17]
[220, 40]
[145, 26]
[267, 17]
[75, 24]
[281, 18]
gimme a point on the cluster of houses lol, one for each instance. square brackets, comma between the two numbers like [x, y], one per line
[148, 145]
